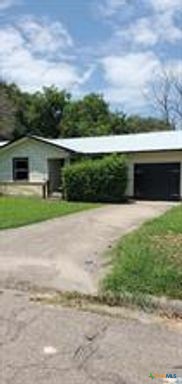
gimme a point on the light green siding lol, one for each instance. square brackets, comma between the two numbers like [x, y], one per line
[38, 154]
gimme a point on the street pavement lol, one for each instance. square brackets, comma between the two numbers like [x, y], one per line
[47, 344]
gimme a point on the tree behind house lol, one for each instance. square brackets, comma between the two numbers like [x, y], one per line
[54, 113]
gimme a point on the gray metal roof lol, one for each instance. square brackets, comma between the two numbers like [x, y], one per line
[138, 142]
[141, 142]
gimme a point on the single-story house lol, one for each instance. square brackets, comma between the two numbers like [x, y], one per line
[31, 164]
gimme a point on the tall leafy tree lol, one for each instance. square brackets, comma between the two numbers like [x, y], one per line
[118, 123]
[44, 112]
[7, 113]
[87, 117]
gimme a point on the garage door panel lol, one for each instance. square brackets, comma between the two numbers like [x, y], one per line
[159, 181]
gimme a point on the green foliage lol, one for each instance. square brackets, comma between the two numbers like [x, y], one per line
[149, 260]
[7, 113]
[54, 113]
[44, 112]
[87, 117]
[138, 124]
[99, 180]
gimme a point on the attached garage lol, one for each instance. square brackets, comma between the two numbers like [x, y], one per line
[158, 181]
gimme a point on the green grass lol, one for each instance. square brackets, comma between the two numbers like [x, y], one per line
[19, 211]
[149, 260]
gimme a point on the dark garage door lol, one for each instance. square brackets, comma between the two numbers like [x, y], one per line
[157, 181]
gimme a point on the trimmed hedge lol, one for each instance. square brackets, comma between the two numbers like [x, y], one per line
[99, 180]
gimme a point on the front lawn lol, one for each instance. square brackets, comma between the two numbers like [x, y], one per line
[18, 211]
[149, 260]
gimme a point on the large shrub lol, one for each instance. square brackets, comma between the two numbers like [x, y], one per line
[102, 180]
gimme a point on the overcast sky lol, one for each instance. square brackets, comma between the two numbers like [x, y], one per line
[114, 47]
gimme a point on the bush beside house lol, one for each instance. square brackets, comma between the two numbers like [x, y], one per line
[96, 180]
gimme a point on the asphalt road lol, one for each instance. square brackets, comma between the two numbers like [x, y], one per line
[44, 344]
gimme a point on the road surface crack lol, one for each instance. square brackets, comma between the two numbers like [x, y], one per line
[90, 346]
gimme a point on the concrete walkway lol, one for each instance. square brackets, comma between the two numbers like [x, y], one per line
[67, 253]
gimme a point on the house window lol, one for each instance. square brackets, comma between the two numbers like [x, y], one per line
[20, 169]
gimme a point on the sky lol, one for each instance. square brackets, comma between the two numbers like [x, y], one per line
[113, 47]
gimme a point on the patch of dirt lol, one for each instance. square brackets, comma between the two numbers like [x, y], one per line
[172, 243]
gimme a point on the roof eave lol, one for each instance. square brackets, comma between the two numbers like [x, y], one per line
[131, 151]
[39, 139]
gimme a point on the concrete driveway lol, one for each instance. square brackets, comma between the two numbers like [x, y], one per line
[67, 253]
